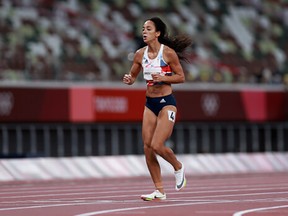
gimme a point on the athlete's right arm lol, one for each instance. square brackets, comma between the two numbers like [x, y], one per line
[136, 67]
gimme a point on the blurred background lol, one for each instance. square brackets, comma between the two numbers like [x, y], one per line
[62, 63]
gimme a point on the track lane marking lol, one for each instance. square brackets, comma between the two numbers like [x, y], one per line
[74, 193]
[240, 213]
[123, 196]
[146, 207]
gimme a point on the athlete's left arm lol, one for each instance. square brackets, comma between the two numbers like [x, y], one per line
[173, 61]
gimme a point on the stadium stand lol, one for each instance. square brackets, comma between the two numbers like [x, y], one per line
[236, 41]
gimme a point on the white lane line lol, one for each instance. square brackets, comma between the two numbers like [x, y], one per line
[147, 207]
[113, 187]
[187, 203]
[74, 193]
[69, 186]
[240, 213]
[169, 205]
[96, 202]
[59, 185]
[129, 196]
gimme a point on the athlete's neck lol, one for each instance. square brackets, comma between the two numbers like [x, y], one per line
[153, 50]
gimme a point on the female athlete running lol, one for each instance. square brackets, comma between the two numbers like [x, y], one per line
[160, 63]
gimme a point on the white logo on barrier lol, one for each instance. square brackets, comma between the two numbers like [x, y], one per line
[6, 103]
[112, 104]
[210, 104]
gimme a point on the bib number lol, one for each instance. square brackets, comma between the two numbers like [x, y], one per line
[171, 115]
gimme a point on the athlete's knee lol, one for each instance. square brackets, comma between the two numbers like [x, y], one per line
[157, 148]
[150, 155]
[147, 148]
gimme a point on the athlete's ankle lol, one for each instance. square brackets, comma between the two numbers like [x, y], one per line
[161, 190]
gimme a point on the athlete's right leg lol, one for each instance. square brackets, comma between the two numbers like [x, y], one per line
[163, 130]
[148, 128]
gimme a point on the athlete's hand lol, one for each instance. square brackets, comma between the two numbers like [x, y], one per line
[157, 77]
[127, 79]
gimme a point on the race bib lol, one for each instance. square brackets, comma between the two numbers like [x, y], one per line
[171, 115]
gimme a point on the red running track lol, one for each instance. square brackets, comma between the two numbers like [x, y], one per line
[233, 195]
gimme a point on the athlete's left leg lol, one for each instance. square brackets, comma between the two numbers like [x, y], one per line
[164, 127]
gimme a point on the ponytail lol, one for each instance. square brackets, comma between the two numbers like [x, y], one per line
[179, 43]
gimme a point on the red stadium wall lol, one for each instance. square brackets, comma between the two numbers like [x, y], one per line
[118, 104]
[92, 104]
[242, 105]
[34, 104]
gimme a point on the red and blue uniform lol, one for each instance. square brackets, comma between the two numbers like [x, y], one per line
[156, 65]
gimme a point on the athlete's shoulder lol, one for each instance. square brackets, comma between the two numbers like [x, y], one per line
[168, 50]
[169, 53]
[139, 54]
[140, 51]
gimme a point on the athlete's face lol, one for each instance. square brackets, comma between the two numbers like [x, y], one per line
[149, 32]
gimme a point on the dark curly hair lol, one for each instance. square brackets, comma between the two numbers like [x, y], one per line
[178, 43]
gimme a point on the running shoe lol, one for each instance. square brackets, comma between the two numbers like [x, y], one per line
[156, 195]
[180, 178]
